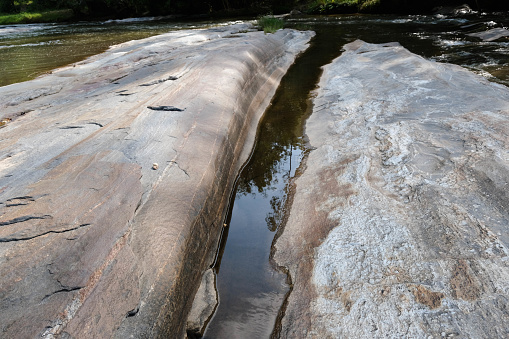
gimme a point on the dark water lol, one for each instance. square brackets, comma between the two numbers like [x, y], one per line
[250, 290]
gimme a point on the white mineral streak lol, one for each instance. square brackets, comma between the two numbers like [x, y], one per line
[400, 222]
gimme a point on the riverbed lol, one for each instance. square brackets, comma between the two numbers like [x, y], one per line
[30, 50]
[251, 290]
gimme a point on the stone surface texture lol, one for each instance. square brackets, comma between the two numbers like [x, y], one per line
[399, 226]
[204, 304]
[95, 240]
[492, 34]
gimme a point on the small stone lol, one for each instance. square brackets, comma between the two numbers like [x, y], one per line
[155, 166]
[4, 122]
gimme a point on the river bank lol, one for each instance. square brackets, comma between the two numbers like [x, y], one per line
[99, 10]
[39, 17]
[466, 41]
[116, 174]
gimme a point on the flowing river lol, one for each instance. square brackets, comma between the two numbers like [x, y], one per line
[251, 289]
[27, 51]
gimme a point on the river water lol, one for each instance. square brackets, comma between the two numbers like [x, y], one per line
[27, 51]
[251, 290]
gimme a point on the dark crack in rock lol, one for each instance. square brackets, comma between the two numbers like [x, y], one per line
[399, 225]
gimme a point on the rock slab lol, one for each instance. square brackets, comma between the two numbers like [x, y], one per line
[115, 173]
[400, 221]
[491, 34]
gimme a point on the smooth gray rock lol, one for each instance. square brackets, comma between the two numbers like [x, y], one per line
[111, 211]
[399, 226]
[491, 34]
[205, 302]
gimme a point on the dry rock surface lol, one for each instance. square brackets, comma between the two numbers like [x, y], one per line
[399, 226]
[114, 175]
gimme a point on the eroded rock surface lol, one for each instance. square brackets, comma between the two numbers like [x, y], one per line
[114, 177]
[400, 222]
[204, 304]
[491, 34]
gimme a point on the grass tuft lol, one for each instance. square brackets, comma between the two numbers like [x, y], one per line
[270, 24]
[25, 18]
[343, 6]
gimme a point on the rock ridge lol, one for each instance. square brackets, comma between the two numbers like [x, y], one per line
[96, 240]
[399, 223]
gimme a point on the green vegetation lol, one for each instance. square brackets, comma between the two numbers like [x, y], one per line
[270, 24]
[344, 6]
[24, 18]
[53, 10]
[397, 6]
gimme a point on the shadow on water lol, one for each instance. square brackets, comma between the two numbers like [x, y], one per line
[250, 290]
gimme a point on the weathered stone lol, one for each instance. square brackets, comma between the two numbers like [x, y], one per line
[491, 34]
[205, 302]
[110, 211]
[455, 11]
[400, 220]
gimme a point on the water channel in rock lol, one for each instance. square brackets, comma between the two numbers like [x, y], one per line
[251, 290]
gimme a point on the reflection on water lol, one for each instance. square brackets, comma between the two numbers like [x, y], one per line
[439, 38]
[250, 290]
[27, 51]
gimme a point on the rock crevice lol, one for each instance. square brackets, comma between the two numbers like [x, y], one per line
[398, 226]
[150, 230]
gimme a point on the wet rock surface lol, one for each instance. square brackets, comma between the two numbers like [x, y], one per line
[114, 177]
[399, 223]
[492, 34]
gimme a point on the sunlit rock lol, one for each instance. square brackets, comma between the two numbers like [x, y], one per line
[454, 11]
[399, 226]
[115, 173]
[492, 34]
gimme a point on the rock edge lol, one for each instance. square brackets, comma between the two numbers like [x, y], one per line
[110, 210]
[399, 224]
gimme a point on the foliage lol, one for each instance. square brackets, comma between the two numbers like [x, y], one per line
[6, 6]
[343, 6]
[93, 9]
[397, 6]
[270, 24]
[368, 6]
[24, 18]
